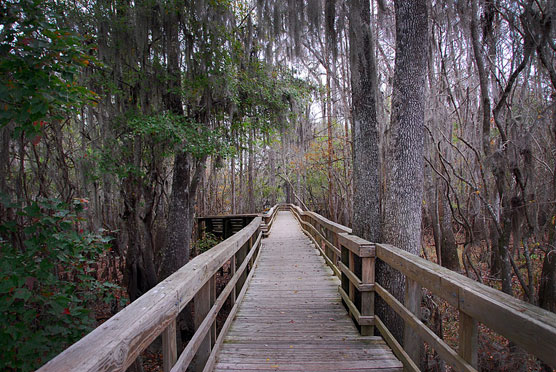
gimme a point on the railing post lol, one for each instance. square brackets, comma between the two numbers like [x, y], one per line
[251, 242]
[212, 301]
[232, 273]
[351, 266]
[169, 347]
[240, 256]
[368, 297]
[335, 259]
[411, 340]
[202, 307]
[468, 335]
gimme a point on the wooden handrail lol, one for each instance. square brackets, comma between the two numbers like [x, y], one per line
[115, 344]
[530, 327]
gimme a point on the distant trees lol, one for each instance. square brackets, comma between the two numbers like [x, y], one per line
[155, 111]
[122, 105]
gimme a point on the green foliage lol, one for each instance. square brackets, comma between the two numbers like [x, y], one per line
[38, 64]
[180, 132]
[208, 241]
[46, 282]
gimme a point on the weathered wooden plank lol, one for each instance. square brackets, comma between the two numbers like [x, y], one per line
[527, 325]
[468, 339]
[367, 297]
[196, 341]
[408, 363]
[212, 358]
[357, 245]
[292, 312]
[367, 287]
[202, 308]
[115, 345]
[412, 302]
[360, 319]
[326, 258]
[445, 351]
[169, 347]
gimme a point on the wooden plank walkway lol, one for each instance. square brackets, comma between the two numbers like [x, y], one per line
[292, 319]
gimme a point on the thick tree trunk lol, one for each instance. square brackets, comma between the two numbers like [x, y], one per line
[272, 175]
[4, 164]
[251, 170]
[403, 200]
[547, 287]
[140, 275]
[366, 159]
[233, 184]
[181, 215]
[331, 207]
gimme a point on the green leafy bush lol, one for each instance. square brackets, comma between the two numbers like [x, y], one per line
[46, 282]
[38, 66]
[208, 241]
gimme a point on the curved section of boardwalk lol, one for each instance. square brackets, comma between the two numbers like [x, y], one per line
[292, 319]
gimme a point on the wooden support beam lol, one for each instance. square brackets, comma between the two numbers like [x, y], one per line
[204, 328]
[411, 341]
[445, 351]
[212, 301]
[202, 307]
[468, 339]
[367, 297]
[169, 347]
[233, 262]
[408, 364]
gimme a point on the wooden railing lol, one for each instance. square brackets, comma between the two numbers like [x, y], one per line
[353, 260]
[268, 219]
[223, 226]
[116, 344]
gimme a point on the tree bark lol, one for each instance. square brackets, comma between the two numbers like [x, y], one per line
[251, 170]
[403, 199]
[366, 159]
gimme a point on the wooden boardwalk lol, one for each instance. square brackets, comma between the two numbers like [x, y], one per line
[292, 319]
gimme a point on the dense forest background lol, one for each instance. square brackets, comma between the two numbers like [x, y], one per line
[428, 124]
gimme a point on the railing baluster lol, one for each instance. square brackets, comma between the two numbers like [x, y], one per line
[202, 307]
[232, 273]
[212, 301]
[412, 341]
[169, 347]
[351, 266]
[240, 256]
[468, 336]
[367, 297]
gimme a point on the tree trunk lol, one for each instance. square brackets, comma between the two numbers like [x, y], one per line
[181, 215]
[448, 246]
[272, 175]
[250, 180]
[233, 184]
[366, 159]
[331, 208]
[403, 200]
[4, 164]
